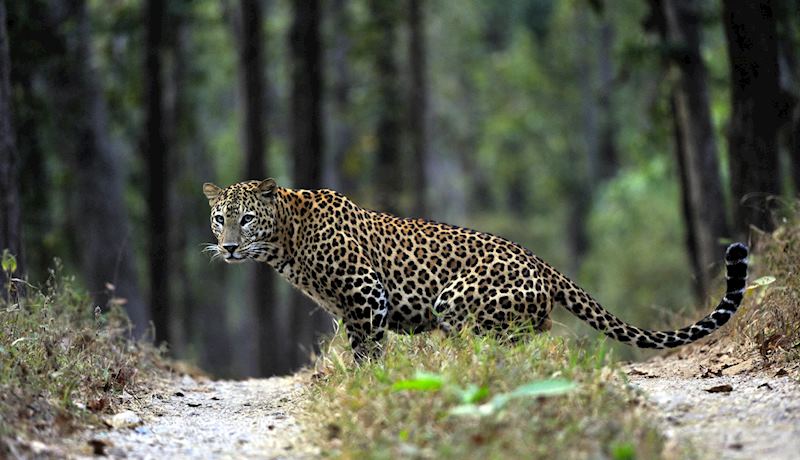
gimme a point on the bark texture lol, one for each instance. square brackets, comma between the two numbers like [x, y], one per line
[308, 320]
[389, 176]
[155, 151]
[756, 106]
[699, 165]
[270, 335]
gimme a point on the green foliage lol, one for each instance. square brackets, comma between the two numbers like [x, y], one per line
[63, 361]
[422, 381]
[469, 396]
[640, 244]
[538, 389]
[8, 262]
[515, 92]
[464, 396]
[623, 451]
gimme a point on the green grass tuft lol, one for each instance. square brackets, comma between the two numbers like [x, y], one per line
[64, 362]
[437, 396]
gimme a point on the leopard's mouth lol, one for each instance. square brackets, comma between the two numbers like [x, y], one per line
[234, 258]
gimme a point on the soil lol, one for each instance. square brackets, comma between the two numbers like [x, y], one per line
[713, 404]
[708, 402]
[198, 419]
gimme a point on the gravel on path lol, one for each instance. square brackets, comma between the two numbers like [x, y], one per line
[749, 415]
[187, 419]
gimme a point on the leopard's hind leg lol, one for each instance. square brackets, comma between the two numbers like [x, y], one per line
[473, 301]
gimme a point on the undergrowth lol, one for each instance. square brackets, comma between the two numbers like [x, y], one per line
[64, 362]
[769, 318]
[437, 396]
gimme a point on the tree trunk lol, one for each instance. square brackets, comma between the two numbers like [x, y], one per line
[105, 242]
[795, 152]
[210, 327]
[692, 249]
[155, 153]
[344, 179]
[787, 13]
[702, 183]
[756, 105]
[10, 221]
[656, 21]
[178, 119]
[269, 333]
[251, 69]
[306, 149]
[597, 162]
[389, 171]
[306, 96]
[418, 98]
[607, 157]
[28, 112]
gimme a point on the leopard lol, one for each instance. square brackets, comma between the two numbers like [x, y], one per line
[378, 273]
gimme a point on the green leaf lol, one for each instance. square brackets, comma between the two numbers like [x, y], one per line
[381, 375]
[552, 387]
[542, 388]
[422, 381]
[473, 410]
[763, 281]
[473, 393]
[9, 262]
[623, 451]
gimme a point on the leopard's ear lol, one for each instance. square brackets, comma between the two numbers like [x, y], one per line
[266, 189]
[212, 192]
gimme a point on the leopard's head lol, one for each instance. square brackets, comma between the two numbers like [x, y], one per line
[242, 219]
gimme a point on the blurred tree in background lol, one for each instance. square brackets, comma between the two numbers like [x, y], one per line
[757, 109]
[10, 229]
[678, 25]
[622, 141]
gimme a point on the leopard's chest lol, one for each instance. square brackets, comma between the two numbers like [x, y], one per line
[317, 289]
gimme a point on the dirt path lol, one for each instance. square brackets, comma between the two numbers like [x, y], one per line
[734, 412]
[724, 408]
[250, 419]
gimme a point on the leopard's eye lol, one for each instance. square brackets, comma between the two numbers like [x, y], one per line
[246, 218]
[220, 220]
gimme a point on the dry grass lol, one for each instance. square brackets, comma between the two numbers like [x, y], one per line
[769, 318]
[63, 363]
[362, 412]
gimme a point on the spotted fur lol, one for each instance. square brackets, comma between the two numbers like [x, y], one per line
[378, 272]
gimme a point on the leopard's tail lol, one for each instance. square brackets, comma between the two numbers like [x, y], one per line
[577, 301]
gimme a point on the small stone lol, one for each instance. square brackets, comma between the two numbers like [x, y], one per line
[720, 389]
[99, 446]
[125, 419]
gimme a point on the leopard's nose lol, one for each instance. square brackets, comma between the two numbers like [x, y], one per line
[230, 247]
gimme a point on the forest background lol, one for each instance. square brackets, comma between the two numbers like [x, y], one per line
[623, 141]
